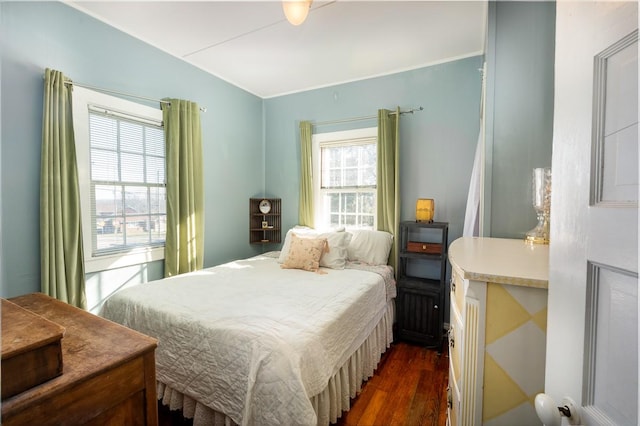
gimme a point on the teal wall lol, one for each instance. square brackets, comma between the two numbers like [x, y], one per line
[520, 58]
[251, 145]
[36, 35]
[437, 144]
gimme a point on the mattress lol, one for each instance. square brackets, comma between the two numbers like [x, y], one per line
[252, 340]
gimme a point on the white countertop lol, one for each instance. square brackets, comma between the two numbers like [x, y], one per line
[501, 260]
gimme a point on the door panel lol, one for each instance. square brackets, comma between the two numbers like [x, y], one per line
[615, 135]
[611, 364]
[592, 330]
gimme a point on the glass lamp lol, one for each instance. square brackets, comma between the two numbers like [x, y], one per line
[541, 184]
[296, 11]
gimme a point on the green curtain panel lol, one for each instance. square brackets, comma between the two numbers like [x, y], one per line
[305, 213]
[184, 247]
[62, 262]
[388, 193]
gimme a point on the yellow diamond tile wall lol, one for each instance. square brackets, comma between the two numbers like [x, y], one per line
[515, 340]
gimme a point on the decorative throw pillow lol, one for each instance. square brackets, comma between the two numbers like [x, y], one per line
[299, 230]
[369, 246]
[334, 257]
[305, 253]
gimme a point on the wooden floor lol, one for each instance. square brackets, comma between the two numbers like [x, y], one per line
[409, 388]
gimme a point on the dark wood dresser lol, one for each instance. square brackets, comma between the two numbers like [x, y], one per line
[108, 373]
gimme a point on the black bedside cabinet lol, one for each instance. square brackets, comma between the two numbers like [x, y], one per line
[422, 269]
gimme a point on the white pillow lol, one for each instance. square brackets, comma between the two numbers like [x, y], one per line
[370, 246]
[334, 258]
[336, 255]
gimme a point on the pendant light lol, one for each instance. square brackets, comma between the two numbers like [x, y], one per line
[296, 11]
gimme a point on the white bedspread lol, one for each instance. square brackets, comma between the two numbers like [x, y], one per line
[250, 339]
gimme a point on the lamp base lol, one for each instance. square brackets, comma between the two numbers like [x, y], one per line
[539, 234]
[536, 239]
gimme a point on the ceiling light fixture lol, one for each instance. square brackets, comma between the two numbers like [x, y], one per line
[296, 11]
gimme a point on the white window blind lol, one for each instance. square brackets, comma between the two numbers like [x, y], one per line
[127, 181]
[348, 165]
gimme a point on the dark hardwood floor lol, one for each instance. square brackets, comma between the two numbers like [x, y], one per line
[409, 388]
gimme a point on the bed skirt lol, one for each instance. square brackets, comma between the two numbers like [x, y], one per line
[328, 404]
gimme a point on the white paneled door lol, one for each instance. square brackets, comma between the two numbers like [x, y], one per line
[592, 334]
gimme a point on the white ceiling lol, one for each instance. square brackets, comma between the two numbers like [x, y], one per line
[251, 45]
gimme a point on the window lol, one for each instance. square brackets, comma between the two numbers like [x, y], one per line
[121, 170]
[345, 167]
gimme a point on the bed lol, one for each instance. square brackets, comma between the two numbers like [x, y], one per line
[259, 341]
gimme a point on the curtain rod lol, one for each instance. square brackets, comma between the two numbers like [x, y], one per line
[369, 117]
[115, 92]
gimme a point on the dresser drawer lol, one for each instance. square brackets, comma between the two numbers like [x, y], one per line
[457, 290]
[427, 248]
[453, 399]
[455, 343]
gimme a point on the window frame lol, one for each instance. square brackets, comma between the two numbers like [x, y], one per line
[356, 136]
[83, 98]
